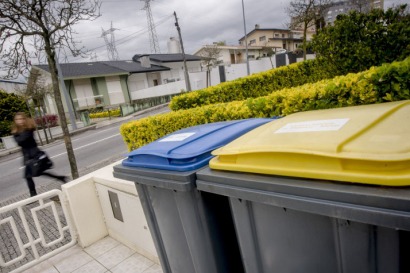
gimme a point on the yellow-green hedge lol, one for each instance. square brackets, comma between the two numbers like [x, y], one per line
[106, 114]
[353, 89]
[253, 86]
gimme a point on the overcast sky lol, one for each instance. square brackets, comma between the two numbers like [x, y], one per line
[201, 23]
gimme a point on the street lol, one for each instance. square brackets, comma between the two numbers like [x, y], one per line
[93, 149]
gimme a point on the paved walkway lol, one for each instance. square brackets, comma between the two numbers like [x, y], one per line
[9, 247]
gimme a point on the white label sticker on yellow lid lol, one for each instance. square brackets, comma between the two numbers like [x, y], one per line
[177, 137]
[313, 126]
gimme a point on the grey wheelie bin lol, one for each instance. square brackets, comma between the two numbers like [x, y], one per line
[320, 191]
[193, 232]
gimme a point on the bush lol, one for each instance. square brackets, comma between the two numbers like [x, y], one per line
[256, 85]
[51, 120]
[357, 41]
[353, 89]
[10, 104]
[106, 114]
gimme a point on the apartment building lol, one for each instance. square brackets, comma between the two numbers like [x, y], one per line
[274, 38]
[344, 7]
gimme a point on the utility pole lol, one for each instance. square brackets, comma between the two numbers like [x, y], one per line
[66, 96]
[187, 82]
[246, 39]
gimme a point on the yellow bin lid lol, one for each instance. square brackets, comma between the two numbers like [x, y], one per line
[365, 144]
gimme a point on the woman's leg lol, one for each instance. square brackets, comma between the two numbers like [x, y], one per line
[30, 181]
[62, 178]
[31, 186]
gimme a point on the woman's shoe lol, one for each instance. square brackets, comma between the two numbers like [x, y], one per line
[63, 179]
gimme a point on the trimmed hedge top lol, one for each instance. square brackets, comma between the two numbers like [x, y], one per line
[390, 82]
[256, 85]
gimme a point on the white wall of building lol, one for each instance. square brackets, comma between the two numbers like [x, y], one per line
[114, 90]
[11, 87]
[160, 90]
[198, 80]
[137, 82]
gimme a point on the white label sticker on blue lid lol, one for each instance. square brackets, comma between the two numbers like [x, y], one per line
[177, 137]
[313, 126]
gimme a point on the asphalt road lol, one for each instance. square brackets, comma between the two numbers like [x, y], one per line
[93, 149]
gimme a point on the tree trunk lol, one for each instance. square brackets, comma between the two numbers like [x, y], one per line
[33, 117]
[304, 41]
[48, 125]
[57, 96]
[207, 77]
[42, 124]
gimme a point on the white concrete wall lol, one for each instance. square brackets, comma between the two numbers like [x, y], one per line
[308, 57]
[198, 80]
[87, 201]
[235, 71]
[137, 82]
[11, 87]
[160, 90]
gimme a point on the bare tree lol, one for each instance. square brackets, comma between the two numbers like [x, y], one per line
[36, 91]
[210, 54]
[29, 26]
[362, 6]
[304, 14]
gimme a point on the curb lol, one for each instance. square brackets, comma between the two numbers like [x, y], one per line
[87, 128]
[55, 142]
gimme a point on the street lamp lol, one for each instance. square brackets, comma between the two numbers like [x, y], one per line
[246, 39]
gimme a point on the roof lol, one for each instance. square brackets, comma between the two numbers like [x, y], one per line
[265, 29]
[104, 68]
[168, 58]
[231, 47]
[12, 81]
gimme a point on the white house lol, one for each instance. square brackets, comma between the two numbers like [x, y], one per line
[10, 86]
[111, 83]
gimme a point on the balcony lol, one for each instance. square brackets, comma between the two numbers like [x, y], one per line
[88, 102]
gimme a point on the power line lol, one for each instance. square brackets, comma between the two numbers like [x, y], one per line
[129, 37]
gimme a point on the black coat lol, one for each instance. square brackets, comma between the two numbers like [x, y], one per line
[28, 144]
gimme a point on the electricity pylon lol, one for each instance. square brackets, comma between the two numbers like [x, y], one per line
[153, 39]
[110, 43]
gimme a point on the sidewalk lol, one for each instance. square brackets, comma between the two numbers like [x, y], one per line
[59, 138]
[9, 247]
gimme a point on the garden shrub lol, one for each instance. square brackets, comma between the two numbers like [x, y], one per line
[256, 85]
[389, 82]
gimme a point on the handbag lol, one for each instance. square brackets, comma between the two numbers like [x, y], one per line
[39, 164]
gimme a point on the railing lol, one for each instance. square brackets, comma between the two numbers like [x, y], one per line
[87, 102]
[27, 244]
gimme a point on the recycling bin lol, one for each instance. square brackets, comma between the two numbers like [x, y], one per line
[320, 191]
[193, 232]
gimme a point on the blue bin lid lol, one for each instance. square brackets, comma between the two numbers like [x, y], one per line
[190, 148]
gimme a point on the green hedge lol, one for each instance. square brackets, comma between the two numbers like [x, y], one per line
[106, 114]
[253, 86]
[10, 104]
[390, 82]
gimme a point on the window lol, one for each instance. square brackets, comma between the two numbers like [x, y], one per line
[253, 41]
[283, 35]
[263, 38]
[277, 35]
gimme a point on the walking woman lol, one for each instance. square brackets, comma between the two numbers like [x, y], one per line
[23, 131]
